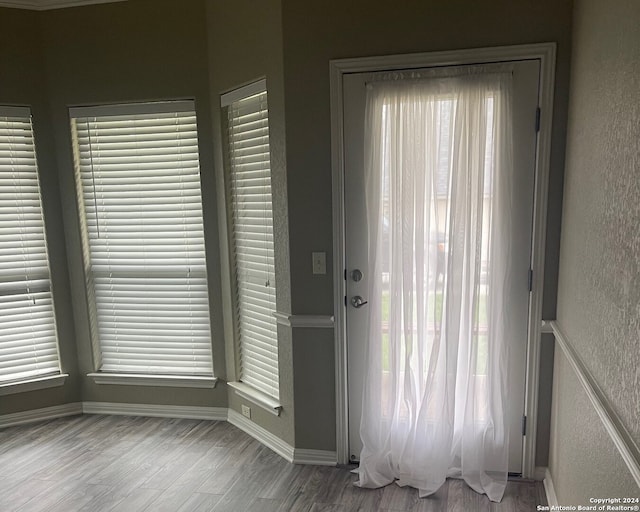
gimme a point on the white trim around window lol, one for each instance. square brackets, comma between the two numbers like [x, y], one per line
[29, 357]
[49, 381]
[256, 397]
[251, 239]
[173, 381]
[139, 195]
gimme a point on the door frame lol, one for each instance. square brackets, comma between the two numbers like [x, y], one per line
[546, 53]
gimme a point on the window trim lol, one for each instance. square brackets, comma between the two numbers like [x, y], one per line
[243, 92]
[241, 388]
[205, 381]
[54, 377]
[156, 380]
[134, 108]
[256, 397]
[33, 384]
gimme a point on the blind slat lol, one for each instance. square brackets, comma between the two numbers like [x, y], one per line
[138, 181]
[28, 345]
[252, 241]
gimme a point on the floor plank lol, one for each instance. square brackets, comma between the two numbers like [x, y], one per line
[96, 463]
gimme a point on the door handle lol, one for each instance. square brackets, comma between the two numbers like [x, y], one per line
[358, 302]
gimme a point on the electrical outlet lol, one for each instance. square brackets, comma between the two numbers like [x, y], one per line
[246, 411]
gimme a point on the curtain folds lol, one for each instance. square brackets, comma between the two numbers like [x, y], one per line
[438, 169]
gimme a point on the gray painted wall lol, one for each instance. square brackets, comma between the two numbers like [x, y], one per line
[245, 44]
[599, 287]
[194, 48]
[113, 53]
[314, 33]
[23, 82]
[106, 54]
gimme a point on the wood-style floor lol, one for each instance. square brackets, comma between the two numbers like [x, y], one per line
[116, 463]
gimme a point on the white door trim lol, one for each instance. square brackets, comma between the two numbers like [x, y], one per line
[546, 52]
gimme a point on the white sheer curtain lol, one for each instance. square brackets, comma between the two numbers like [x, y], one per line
[438, 180]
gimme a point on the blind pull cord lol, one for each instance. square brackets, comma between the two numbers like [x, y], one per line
[93, 178]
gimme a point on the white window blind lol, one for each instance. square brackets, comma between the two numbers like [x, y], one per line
[28, 344]
[251, 223]
[138, 180]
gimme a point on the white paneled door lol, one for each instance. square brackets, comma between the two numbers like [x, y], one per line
[440, 242]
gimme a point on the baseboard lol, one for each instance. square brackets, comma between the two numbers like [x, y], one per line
[285, 450]
[156, 411]
[262, 435]
[549, 489]
[314, 457]
[46, 413]
[540, 473]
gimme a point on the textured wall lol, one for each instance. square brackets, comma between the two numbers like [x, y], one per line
[314, 33]
[584, 461]
[599, 286]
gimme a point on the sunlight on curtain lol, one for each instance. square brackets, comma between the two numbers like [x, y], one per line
[438, 180]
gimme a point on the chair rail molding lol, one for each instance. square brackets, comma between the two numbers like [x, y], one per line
[306, 321]
[614, 426]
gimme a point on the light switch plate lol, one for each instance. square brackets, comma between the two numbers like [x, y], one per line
[319, 262]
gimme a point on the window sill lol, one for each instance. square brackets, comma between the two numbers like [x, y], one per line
[172, 381]
[256, 397]
[50, 381]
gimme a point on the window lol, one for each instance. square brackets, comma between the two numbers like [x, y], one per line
[251, 229]
[28, 344]
[138, 183]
